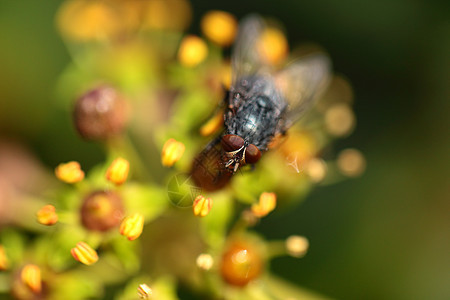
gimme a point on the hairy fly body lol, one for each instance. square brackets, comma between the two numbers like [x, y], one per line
[261, 104]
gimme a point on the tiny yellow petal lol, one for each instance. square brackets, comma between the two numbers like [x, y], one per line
[132, 226]
[213, 124]
[220, 27]
[172, 152]
[84, 253]
[31, 277]
[4, 262]
[193, 50]
[69, 172]
[144, 291]
[47, 215]
[117, 172]
[267, 203]
[202, 206]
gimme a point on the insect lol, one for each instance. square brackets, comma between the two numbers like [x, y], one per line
[262, 103]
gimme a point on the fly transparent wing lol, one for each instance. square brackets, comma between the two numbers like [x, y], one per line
[246, 59]
[301, 82]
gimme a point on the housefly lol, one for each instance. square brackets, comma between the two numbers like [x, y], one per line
[262, 103]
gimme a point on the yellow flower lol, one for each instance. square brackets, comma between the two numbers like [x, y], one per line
[167, 14]
[172, 152]
[4, 262]
[144, 291]
[202, 206]
[213, 124]
[298, 146]
[267, 203]
[132, 226]
[220, 27]
[273, 46]
[47, 215]
[117, 172]
[85, 20]
[84, 253]
[193, 50]
[31, 277]
[69, 172]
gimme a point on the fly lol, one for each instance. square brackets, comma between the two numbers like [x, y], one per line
[262, 103]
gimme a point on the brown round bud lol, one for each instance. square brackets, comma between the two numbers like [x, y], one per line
[242, 262]
[100, 113]
[102, 210]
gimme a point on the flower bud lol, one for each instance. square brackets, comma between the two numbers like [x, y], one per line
[84, 253]
[117, 172]
[241, 262]
[4, 262]
[84, 21]
[144, 291]
[220, 27]
[316, 169]
[100, 114]
[47, 215]
[132, 226]
[226, 75]
[212, 125]
[273, 46]
[267, 203]
[351, 162]
[205, 261]
[172, 152]
[174, 15]
[69, 172]
[297, 245]
[339, 120]
[101, 211]
[31, 277]
[202, 206]
[193, 50]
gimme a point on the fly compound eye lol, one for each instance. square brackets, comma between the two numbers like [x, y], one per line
[252, 154]
[232, 142]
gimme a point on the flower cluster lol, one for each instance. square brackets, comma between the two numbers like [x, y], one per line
[149, 93]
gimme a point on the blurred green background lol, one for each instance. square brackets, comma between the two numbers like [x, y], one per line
[382, 236]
